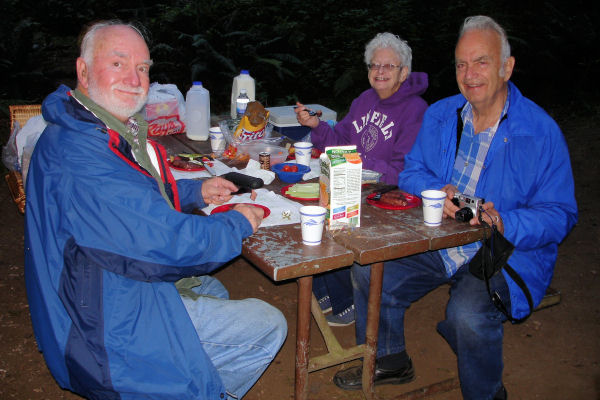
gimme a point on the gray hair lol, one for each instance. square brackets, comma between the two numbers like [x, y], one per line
[482, 22]
[88, 40]
[389, 40]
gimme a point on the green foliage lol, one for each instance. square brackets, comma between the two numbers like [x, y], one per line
[311, 51]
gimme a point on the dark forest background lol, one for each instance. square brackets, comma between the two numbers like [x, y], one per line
[309, 50]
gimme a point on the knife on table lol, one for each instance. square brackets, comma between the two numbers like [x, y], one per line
[198, 161]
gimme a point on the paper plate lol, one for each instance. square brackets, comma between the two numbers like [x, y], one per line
[192, 168]
[413, 201]
[285, 188]
[227, 207]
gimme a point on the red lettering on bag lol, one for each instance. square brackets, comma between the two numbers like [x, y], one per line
[167, 125]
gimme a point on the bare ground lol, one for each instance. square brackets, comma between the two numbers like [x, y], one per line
[555, 354]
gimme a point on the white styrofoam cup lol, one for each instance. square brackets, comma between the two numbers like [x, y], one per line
[433, 206]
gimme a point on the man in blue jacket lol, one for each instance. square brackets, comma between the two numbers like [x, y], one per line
[107, 237]
[513, 155]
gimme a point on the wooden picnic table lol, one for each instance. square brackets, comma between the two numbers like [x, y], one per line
[384, 235]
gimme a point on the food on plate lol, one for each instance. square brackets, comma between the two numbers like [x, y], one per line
[394, 198]
[303, 190]
[186, 161]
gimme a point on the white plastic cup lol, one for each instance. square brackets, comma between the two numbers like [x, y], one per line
[312, 219]
[303, 150]
[217, 140]
[433, 206]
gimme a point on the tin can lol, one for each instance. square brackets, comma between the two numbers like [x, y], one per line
[264, 158]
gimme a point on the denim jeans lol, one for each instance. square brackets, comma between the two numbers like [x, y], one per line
[241, 337]
[473, 325]
[337, 285]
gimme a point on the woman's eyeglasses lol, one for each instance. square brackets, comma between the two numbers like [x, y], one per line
[386, 67]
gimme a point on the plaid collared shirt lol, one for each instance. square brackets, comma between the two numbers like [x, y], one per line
[469, 161]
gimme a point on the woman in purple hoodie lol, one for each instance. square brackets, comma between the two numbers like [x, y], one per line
[383, 123]
[384, 120]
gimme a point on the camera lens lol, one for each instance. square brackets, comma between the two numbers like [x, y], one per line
[465, 214]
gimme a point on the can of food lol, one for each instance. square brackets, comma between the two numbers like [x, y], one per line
[264, 158]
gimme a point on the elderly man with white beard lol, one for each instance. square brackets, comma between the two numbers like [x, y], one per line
[108, 244]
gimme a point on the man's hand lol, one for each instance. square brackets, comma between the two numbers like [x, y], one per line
[450, 208]
[217, 190]
[304, 118]
[491, 215]
[253, 214]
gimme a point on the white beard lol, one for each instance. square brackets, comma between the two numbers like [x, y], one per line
[113, 105]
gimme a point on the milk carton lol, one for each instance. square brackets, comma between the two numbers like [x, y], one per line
[339, 186]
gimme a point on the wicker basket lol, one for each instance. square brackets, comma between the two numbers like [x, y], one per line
[20, 114]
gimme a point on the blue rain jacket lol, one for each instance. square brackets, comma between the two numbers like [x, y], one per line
[102, 250]
[527, 175]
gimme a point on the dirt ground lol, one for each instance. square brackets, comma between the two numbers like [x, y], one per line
[555, 354]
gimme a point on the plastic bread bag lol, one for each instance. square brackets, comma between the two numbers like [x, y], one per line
[13, 154]
[164, 110]
[10, 158]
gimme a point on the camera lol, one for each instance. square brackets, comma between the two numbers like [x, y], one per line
[468, 206]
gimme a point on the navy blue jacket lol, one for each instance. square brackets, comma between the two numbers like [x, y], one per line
[102, 250]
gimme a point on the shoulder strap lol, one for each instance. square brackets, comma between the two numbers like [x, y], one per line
[459, 127]
[517, 278]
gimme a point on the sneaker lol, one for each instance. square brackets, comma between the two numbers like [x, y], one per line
[351, 378]
[325, 304]
[344, 318]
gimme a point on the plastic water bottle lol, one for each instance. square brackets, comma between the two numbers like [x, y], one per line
[197, 112]
[242, 81]
[241, 103]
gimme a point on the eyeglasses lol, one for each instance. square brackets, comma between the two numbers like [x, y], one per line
[386, 67]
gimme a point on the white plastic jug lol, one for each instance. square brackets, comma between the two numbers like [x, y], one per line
[242, 81]
[197, 112]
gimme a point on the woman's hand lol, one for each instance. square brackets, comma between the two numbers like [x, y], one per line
[304, 118]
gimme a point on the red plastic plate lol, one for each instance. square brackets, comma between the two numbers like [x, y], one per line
[227, 207]
[413, 201]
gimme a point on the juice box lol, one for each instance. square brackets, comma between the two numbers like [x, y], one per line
[340, 185]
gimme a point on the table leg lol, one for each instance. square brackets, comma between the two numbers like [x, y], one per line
[372, 330]
[303, 337]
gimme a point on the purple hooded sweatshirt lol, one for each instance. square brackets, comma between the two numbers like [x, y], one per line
[382, 130]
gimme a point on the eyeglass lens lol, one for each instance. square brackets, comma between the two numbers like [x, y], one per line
[386, 67]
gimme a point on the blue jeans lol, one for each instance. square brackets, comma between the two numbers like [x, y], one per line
[473, 325]
[241, 337]
[338, 286]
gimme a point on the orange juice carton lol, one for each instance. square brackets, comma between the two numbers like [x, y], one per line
[340, 185]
